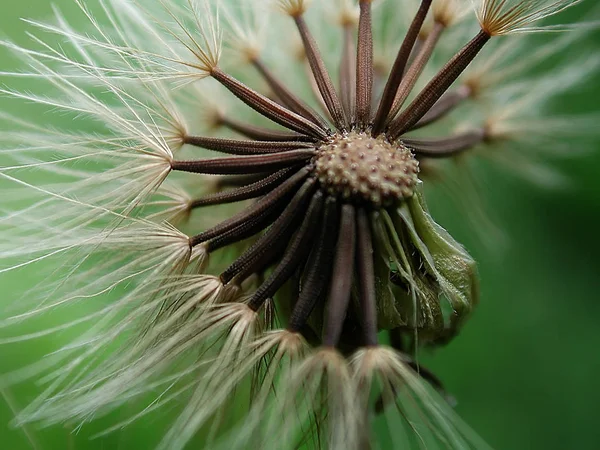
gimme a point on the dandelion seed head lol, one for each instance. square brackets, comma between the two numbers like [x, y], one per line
[265, 227]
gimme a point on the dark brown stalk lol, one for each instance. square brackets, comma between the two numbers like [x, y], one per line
[233, 181]
[252, 190]
[379, 78]
[260, 133]
[366, 278]
[275, 235]
[238, 147]
[416, 69]
[364, 65]
[287, 97]
[295, 254]
[318, 268]
[446, 104]
[348, 72]
[445, 147]
[416, 49]
[341, 279]
[268, 108]
[315, 90]
[324, 83]
[260, 208]
[249, 228]
[244, 164]
[437, 86]
[391, 87]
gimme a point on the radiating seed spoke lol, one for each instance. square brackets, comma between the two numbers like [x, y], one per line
[341, 279]
[318, 268]
[364, 65]
[243, 147]
[446, 147]
[260, 133]
[366, 278]
[243, 164]
[252, 190]
[296, 252]
[391, 87]
[287, 97]
[348, 72]
[416, 69]
[445, 105]
[324, 83]
[437, 86]
[274, 236]
[268, 108]
[260, 208]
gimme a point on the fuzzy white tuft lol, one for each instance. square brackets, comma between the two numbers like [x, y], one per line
[416, 416]
[248, 22]
[500, 17]
[319, 391]
[449, 12]
[293, 7]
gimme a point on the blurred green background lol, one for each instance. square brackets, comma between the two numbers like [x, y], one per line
[526, 369]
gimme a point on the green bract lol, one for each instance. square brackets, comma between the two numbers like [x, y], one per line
[421, 267]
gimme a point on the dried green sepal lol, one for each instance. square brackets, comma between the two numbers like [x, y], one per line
[455, 269]
[389, 314]
[425, 267]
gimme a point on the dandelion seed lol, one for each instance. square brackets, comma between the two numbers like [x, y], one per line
[301, 240]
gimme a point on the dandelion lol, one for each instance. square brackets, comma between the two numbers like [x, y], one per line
[283, 254]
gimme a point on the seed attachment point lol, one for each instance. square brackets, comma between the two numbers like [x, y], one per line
[365, 169]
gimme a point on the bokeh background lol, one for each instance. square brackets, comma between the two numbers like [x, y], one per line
[526, 369]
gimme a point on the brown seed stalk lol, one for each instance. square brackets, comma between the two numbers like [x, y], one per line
[416, 68]
[446, 147]
[252, 190]
[267, 107]
[259, 133]
[364, 65]
[366, 278]
[348, 72]
[279, 231]
[324, 83]
[391, 87]
[260, 208]
[341, 279]
[287, 97]
[437, 86]
[242, 147]
[446, 104]
[296, 252]
[243, 164]
[318, 268]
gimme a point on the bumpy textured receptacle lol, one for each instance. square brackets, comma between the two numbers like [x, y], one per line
[373, 170]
